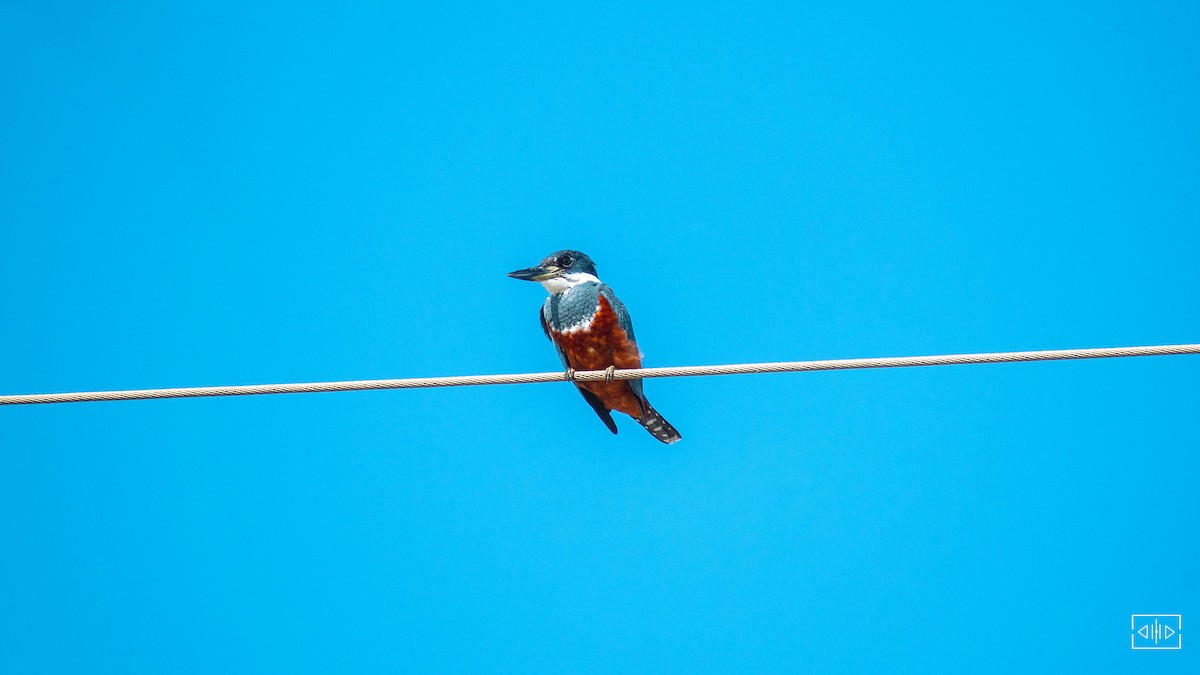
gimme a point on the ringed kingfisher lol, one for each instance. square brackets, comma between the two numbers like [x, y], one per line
[591, 330]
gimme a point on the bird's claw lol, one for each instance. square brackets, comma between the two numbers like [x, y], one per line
[609, 372]
[570, 374]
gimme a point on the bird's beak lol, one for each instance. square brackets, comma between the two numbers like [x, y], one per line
[539, 273]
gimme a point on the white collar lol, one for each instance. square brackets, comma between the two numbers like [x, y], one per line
[557, 285]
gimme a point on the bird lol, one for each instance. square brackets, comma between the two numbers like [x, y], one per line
[591, 330]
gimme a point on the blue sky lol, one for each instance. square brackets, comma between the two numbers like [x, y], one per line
[216, 193]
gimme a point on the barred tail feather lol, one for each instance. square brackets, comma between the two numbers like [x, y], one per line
[658, 427]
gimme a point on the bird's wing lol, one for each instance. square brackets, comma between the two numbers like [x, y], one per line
[623, 319]
[546, 329]
[626, 325]
[602, 411]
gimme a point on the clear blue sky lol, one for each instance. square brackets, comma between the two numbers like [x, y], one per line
[216, 193]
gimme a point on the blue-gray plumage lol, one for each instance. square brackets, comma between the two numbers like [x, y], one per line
[591, 330]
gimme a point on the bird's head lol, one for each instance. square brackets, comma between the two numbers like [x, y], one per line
[560, 270]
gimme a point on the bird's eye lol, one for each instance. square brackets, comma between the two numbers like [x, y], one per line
[565, 261]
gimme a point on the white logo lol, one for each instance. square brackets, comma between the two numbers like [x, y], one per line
[1156, 631]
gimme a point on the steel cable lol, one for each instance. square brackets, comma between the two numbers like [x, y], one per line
[597, 375]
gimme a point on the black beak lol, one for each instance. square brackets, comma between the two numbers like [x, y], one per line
[539, 273]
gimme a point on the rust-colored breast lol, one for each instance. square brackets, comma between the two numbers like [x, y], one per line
[603, 344]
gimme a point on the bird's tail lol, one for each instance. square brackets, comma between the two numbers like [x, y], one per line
[658, 427]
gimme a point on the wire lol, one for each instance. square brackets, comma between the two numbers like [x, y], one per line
[599, 375]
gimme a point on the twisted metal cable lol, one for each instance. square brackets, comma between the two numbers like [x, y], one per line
[598, 375]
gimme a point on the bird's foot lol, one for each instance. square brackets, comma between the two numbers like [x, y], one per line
[609, 372]
[570, 374]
